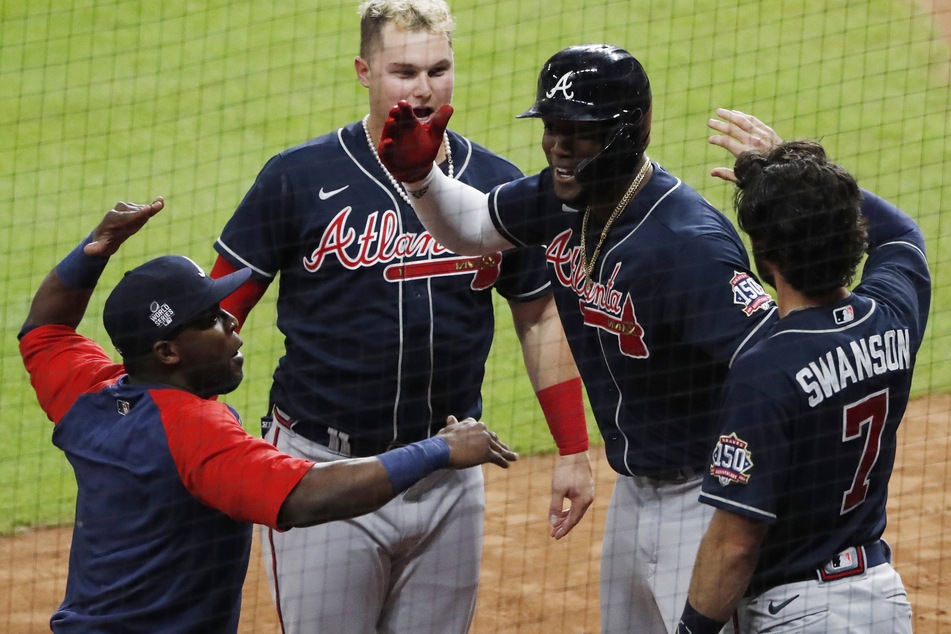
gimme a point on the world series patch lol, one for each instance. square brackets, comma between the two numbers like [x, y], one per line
[731, 460]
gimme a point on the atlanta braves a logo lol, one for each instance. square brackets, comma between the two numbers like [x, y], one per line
[563, 85]
[601, 305]
[382, 242]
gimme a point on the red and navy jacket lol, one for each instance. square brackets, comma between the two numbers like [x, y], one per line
[169, 485]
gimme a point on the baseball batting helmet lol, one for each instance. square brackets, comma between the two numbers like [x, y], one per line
[591, 82]
[598, 83]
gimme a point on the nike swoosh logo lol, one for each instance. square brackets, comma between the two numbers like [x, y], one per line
[333, 192]
[774, 609]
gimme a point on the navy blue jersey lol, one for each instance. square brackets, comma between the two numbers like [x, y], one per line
[673, 302]
[810, 412]
[386, 332]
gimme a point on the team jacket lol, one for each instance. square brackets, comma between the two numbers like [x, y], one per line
[168, 486]
[386, 333]
[807, 440]
[672, 304]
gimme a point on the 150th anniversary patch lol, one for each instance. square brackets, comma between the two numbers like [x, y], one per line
[732, 460]
[749, 294]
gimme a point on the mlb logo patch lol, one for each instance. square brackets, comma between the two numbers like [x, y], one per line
[731, 461]
[849, 563]
[843, 315]
[846, 560]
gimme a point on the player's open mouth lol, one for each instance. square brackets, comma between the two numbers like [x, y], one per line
[423, 113]
[562, 173]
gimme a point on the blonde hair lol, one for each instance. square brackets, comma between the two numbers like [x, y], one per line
[409, 15]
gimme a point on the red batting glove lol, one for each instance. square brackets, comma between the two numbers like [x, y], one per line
[408, 147]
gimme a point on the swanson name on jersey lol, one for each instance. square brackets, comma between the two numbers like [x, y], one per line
[867, 357]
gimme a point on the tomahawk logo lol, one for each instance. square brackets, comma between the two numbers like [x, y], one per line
[563, 85]
[602, 306]
[630, 334]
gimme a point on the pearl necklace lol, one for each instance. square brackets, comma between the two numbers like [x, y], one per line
[396, 184]
[625, 199]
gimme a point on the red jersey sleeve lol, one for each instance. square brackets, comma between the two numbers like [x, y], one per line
[63, 365]
[240, 302]
[221, 464]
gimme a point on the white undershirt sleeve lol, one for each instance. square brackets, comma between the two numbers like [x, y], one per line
[456, 214]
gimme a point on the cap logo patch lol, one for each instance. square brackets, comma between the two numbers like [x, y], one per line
[161, 314]
[563, 85]
[731, 460]
[201, 273]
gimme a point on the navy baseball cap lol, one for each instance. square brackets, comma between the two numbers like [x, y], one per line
[152, 300]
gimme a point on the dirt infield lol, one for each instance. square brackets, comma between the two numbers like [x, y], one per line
[941, 10]
[534, 585]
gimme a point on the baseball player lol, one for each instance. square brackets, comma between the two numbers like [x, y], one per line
[654, 292]
[386, 334]
[168, 480]
[799, 474]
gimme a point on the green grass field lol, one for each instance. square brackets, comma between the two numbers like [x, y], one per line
[112, 101]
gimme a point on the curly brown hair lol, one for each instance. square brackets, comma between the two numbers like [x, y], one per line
[802, 213]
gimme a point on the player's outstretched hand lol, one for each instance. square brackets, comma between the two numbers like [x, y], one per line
[471, 443]
[408, 147]
[739, 132]
[119, 223]
[571, 480]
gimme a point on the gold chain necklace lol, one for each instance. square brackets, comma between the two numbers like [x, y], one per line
[395, 183]
[625, 199]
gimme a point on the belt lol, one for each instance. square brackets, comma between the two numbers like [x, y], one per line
[854, 561]
[334, 439]
[851, 562]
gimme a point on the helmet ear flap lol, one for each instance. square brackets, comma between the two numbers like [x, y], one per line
[638, 124]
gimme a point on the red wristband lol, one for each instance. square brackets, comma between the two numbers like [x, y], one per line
[564, 412]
